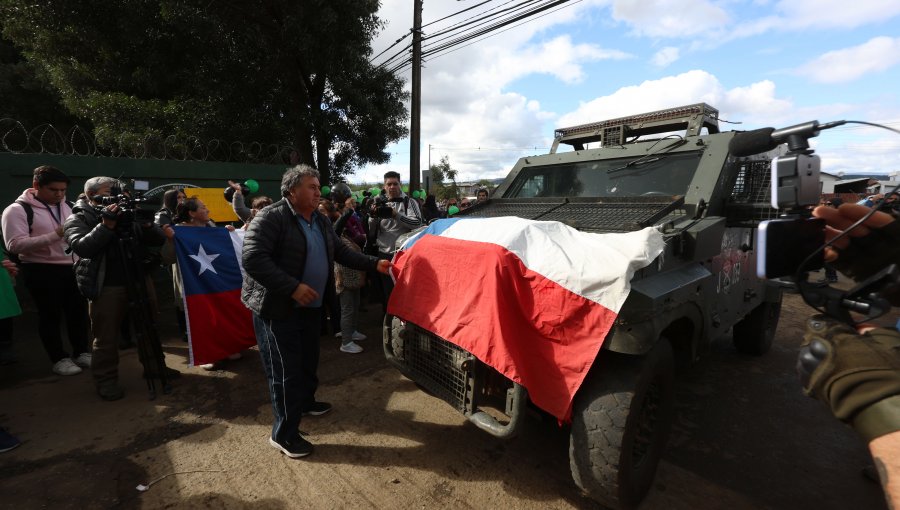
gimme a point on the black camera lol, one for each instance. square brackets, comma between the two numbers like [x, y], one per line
[381, 209]
[128, 212]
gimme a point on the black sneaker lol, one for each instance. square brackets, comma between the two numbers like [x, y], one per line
[110, 391]
[317, 409]
[295, 448]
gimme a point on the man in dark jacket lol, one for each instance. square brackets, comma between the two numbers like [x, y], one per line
[102, 275]
[289, 253]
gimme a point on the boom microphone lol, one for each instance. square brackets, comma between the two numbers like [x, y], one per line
[748, 143]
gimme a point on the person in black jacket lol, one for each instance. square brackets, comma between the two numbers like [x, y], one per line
[102, 276]
[288, 256]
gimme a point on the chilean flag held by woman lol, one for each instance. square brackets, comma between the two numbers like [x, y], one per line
[218, 323]
[532, 299]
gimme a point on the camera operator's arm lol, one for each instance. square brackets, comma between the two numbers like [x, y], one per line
[411, 216]
[867, 248]
[152, 234]
[858, 376]
[86, 238]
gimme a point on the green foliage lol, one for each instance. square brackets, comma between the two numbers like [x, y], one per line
[279, 72]
[26, 94]
[441, 173]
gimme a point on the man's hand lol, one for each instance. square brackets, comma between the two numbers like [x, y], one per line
[168, 231]
[867, 248]
[851, 372]
[304, 294]
[384, 266]
[229, 228]
[10, 267]
[60, 231]
[235, 186]
[108, 215]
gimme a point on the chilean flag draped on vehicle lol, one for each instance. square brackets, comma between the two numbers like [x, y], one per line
[532, 299]
[218, 323]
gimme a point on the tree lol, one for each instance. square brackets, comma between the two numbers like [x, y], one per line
[441, 173]
[26, 95]
[278, 72]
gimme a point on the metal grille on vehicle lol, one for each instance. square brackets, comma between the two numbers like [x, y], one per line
[750, 198]
[604, 215]
[441, 367]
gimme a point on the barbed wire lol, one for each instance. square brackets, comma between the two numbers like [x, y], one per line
[76, 141]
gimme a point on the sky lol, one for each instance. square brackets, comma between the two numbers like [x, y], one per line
[759, 62]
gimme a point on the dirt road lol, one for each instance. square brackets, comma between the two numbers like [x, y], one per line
[744, 438]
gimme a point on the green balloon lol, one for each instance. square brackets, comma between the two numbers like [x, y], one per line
[252, 185]
[452, 210]
[326, 190]
[405, 188]
[375, 191]
[415, 194]
[358, 199]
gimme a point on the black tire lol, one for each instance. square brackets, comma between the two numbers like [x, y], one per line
[621, 420]
[755, 332]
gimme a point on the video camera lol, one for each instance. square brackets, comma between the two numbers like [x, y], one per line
[794, 244]
[381, 209]
[128, 203]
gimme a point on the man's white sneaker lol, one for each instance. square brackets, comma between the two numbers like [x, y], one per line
[84, 360]
[357, 336]
[66, 366]
[351, 348]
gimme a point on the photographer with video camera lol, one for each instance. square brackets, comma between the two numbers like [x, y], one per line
[392, 215]
[856, 370]
[111, 237]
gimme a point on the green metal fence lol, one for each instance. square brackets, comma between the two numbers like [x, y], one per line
[16, 173]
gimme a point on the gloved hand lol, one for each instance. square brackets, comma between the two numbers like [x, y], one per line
[856, 375]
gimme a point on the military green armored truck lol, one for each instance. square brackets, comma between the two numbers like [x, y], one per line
[670, 169]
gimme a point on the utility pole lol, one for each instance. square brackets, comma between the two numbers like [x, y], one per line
[416, 101]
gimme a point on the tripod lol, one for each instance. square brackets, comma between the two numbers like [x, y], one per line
[139, 311]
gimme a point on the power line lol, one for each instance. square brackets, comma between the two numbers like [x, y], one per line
[474, 34]
[456, 13]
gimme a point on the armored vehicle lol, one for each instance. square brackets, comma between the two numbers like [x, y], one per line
[670, 169]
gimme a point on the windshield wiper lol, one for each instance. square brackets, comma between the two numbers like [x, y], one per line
[646, 158]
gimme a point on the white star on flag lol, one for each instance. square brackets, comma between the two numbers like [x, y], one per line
[205, 260]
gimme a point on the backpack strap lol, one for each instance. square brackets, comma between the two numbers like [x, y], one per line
[29, 212]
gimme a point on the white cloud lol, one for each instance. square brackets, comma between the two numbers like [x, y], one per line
[670, 18]
[849, 64]
[468, 113]
[835, 13]
[665, 56]
[753, 103]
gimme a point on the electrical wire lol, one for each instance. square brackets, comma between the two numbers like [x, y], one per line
[526, 17]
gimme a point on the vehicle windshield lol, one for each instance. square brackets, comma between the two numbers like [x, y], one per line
[665, 174]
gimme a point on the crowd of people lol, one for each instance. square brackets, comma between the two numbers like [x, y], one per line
[308, 260]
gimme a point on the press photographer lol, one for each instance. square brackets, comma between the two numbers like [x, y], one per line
[111, 235]
[392, 215]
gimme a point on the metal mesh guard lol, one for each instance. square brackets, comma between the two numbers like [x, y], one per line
[609, 216]
[436, 364]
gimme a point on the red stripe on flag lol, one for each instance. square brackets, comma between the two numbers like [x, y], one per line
[219, 325]
[482, 298]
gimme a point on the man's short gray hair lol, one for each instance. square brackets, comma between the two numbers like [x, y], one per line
[295, 175]
[92, 185]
